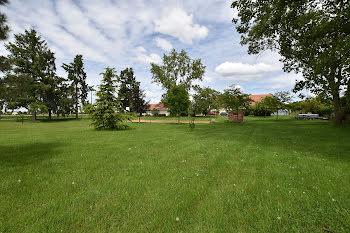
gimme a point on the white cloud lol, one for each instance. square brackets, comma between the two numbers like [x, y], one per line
[177, 23]
[208, 79]
[239, 87]
[141, 55]
[106, 33]
[237, 71]
[154, 96]
[164, 44]
[283, 81]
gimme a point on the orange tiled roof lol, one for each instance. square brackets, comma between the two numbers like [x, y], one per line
[258, 98]
[159, 106]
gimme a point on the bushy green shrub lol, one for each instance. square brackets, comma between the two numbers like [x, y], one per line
[325, 110]
[259, 110]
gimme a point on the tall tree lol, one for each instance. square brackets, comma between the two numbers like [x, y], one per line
[34, 63]
[138, 102]
[4, 64]
[312, 36]
[177, 100]
[105, 115]
[233, 99]
[127, 84]
[4, 28]
[77, 77]
[65, 102]
[177, 69]
[4, 67]
[205, 100]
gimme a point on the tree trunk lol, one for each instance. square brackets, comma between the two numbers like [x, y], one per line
[50, 113]
[277, 115]
[76, 113]
[140, 117]
[76, 101]
[34, 116]
[338, 114]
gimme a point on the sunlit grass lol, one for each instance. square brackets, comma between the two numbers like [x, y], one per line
[261, 175]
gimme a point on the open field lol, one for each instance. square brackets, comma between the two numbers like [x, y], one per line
[262, 175]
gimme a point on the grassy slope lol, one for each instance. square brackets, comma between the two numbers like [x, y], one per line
[263, 175]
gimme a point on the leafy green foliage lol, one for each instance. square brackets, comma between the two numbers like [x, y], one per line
[178, 69]
[205, 100]
[272, 103]
[315, 105]
[263, 107]
[177, 100]
[233, 99]
[313, 37]
[191, 125]
[105, 114]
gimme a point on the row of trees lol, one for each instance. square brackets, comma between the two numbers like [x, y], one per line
[30, 81]
[30, 78]
[312, 37]
[176, 76]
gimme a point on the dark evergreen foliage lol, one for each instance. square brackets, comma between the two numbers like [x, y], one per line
[78, 85]
[32, 79]
[105, 114]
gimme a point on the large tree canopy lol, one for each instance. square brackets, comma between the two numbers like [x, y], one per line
[33, 74]
[177, 69]
[177, 100]
[312, 36]
[233, 99]
[205, 100]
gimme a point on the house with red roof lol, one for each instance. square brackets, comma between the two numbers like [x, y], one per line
[162, 110]
[255, 98]
[258, 98]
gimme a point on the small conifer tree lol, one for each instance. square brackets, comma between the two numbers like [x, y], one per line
[106, 114]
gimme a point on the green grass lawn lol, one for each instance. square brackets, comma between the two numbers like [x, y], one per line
[259, 176]
[185, 118]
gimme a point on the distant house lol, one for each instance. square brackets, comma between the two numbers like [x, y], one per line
[258, 98]
[255, 98]
[162, 110]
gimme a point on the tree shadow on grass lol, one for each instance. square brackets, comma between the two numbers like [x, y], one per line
[60, 120]
[27, 154]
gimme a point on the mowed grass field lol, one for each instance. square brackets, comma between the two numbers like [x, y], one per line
[259, 176]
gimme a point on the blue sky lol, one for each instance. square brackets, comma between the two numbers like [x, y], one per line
[133, 33]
